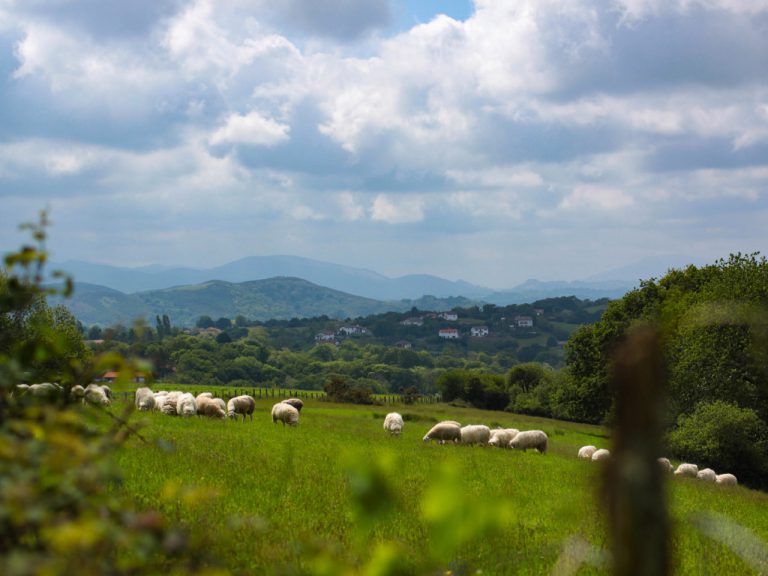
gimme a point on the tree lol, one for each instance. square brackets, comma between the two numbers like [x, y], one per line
[204, 322]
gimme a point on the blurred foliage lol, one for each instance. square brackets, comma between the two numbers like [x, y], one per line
[59, 512]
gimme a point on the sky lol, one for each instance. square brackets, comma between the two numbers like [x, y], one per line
[491, 141]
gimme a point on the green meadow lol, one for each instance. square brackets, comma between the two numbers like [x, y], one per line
[338, 495]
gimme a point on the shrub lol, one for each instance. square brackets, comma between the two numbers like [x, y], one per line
[725, 437]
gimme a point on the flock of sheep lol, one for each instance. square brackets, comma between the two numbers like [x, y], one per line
[475, 434]
[685, 469]
[178, 403]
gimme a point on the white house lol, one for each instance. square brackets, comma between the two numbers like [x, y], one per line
[449, 333]
[479, 331]
[413, 321]
[325, 336]
[523, 321]
[451, 316]
[351, 330]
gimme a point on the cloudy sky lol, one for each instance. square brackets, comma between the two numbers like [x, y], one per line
[493, 141]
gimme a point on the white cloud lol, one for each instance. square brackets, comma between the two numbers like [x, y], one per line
[497, 177]
[590, 197]
[397, 209]
[253, 128]
[351, 209]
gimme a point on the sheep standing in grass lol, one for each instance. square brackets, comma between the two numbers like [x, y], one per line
[186, 405]
[687, 470]
[295, 402]
[285, 413]
[601, 454]
[209, 407]
[95, 394]
[244, 405]
[708, 475]
[726, 480]
[169, 406]
[536, 439]
[44, 390]
[393, 423]
[77, 392]
[144, 399]
[585, 452]
[160, 398]
[501, 437]
[475, 434]
[444, 432]
[665, 464]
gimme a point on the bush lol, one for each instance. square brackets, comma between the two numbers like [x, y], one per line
[725, 437]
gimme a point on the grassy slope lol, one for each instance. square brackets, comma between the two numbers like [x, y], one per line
[284, 492]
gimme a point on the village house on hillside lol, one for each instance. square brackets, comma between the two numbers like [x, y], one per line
[479, 331]
[523, 321]
[403, 345]
[412, 321]
[450, 316]
[325, 336]
[353, 330]
[449, 333]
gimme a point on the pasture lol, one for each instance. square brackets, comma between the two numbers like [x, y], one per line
[338, 494]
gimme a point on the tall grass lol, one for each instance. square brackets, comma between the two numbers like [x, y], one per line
[338, 492]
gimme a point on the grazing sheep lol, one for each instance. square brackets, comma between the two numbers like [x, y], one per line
[452, 422]
[244, 405]
[687, 470]
[475, 434]
[530, 439]
[585, 452]
[285, 413]
[209, 407]
[221, 403]
[601, 454]
[160, 398]
[444, 432]
[77, 392]
[44, 390]
[203, 395]
[186, 405]
[295, 402]
[501, 437]
[708, 475]
[393, 423]
[107, 391]
[726, 480]
[169, 406]
[95, 394]
[144, 399]
[665, 464]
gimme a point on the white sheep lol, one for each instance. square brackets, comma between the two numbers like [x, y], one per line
[665, 464]
[160, 398]
[144, 399]
[186, 405]
[501, 437]
[95, 394]
[107, 391]
[203, 395]
[536, 439]
[44, 390]
[475, 434]
[708, 475]
[393, 423]
[285, 413]
[444, 432]
[687, 470]
[726, 480]
[209, 407]
[169, 406]
[601, 454]
[244, 405]
[585, 452]
[77, 392]
[295, 402]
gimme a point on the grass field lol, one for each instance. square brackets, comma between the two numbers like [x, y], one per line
[337, 493]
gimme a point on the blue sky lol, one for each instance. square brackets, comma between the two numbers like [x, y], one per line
[491, 141]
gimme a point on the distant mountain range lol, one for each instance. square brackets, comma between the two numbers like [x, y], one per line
[279, 298]
[280, 287]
